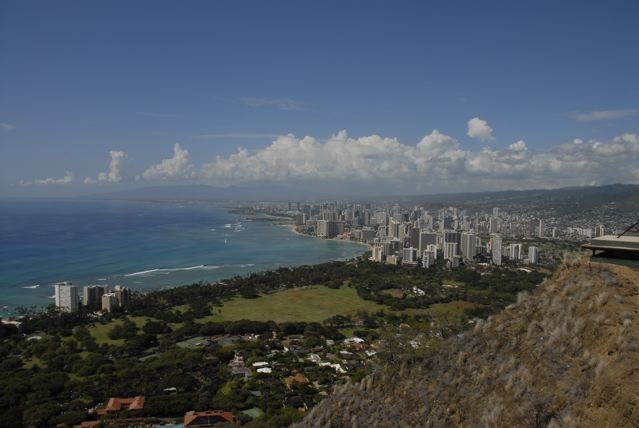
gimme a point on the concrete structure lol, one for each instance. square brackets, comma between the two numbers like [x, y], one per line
[533, 255]
[109, 302]
[514, 252]
[495, 249]
[66, 297]
[450, 250]
[425, 239]
[468, 245]
[409, 256]
[428, 259]
[92, 294]
[377, 253]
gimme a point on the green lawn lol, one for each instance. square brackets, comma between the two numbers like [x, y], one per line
[313, 303]
[101, 331]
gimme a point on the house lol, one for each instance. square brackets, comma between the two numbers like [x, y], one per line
[117, 404]
[208, 418]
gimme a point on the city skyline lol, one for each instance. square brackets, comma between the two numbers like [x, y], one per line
[406, 97]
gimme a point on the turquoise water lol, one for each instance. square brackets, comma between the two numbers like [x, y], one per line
[140, 245]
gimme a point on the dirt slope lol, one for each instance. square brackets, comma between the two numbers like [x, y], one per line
[565, 356]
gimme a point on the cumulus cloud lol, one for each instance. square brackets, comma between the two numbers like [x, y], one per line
[176, 167]
[68, 178]
[602, 114]
[7, 126]
[115, 169]
[279, 103]
[479, 129]
[437, 162]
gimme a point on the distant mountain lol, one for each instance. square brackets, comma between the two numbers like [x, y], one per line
[624, 196]
[565, 356]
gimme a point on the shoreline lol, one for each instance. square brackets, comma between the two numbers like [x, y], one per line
[293, 229]
[8, 308]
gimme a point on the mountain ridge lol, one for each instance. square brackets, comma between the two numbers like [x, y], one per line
[566, 355]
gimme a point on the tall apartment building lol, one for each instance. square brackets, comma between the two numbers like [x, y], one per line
[450, 250]
[495, 249]
[92, 294]
[533, 255]
[425, 239]
[468, 245]
[109, 302]
[66, 297]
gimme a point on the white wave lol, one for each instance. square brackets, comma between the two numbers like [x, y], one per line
[52, 297]
[144, 272]
[167, 271]
[227, 226]
[31, 286]
[247, 265]
[212, 229]
[101, 279]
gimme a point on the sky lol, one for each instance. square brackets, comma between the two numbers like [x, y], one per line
[359, 96]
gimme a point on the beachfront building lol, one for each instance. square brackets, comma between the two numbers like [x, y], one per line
[66, 297]
[92, 294]
[109, 302]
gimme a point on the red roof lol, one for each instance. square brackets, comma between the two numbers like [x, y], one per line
[116, 404]
[208, 417]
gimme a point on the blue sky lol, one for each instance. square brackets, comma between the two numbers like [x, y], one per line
[90, 87]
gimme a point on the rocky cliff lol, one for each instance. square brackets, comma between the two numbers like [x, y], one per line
[564, 356]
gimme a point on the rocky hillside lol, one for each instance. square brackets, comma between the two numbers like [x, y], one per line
[565, 356]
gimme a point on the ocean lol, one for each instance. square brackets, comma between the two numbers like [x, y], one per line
[141, 245]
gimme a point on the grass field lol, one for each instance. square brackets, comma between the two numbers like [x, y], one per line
[101, 331]
[314, 303]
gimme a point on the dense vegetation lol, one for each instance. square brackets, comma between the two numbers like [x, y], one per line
[56, 369]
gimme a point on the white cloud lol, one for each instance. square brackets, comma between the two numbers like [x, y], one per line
[602, 114]
[479, 129]
[279, 103]
[115, 169]
[178, 166]
[437, 162]
[67, 179]
[518, 146]
[7, 126]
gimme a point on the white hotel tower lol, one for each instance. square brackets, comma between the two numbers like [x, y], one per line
[66, 297]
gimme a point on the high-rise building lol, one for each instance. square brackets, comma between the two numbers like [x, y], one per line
[451, 237]
[433, 249]
[414, 237]
[450, 250]
[493, 225]
[394, 228]
[377, 253]
[109, 302]
[514, 252]
[541, 228]
[599, 231]
[123, 294]
[428, 258]
[66, 297]
[92, 294]
[425, 239]
[409, 256]
[495, 249]
[468, 245]
[533, 255]
[496, 212]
